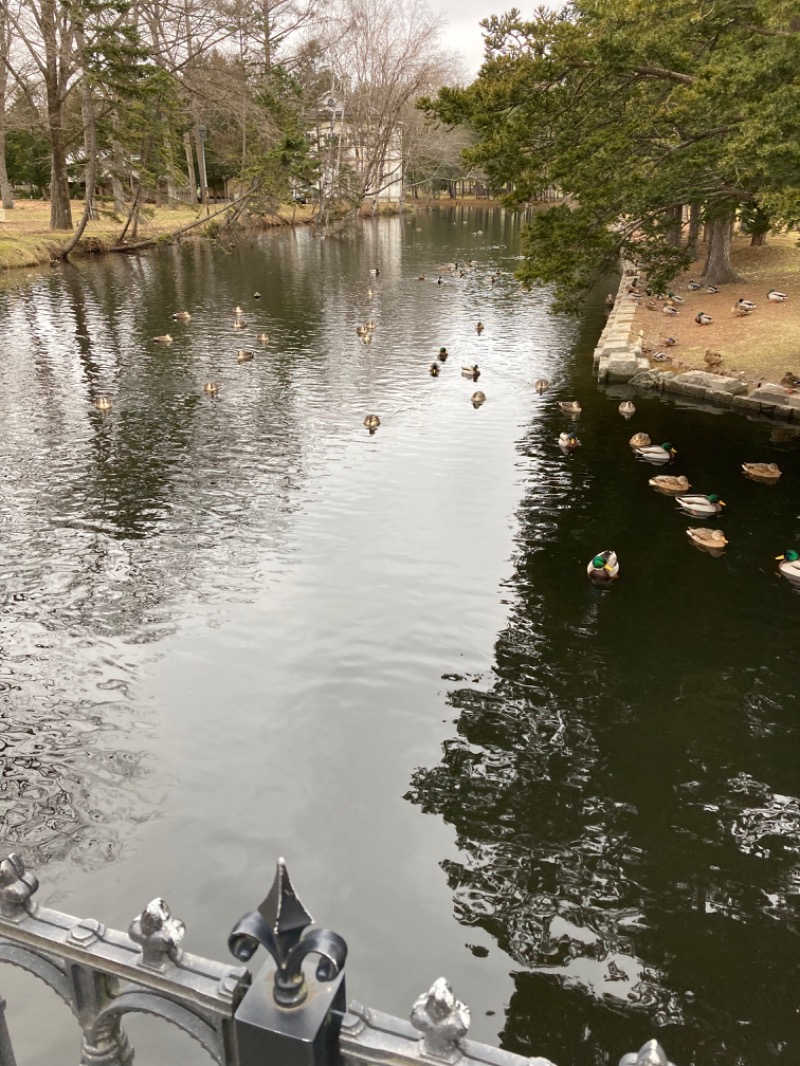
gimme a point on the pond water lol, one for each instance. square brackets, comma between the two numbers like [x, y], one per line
[239, 626]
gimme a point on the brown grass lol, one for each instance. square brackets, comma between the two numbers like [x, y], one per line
[760, 347]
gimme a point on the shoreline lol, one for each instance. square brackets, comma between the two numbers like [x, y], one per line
[621, 358]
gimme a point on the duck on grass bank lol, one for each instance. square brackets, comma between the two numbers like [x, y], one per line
[702, 319]
[745, 305]
[627, 409]
[569, 441]
[712, 358]
[789, 566]
[711, 540]
[669, 485]
[656, 453]
[776, 297]
[700, 506]
[604, 567]
[639, 440]
[762, 471]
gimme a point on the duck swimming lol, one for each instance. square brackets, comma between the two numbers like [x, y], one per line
[700, 506]
[762, 471]
[163, 339]
[790, 566]
[102, 403]
[604, 566]
[181, 316]
[656, 453]
[479, 327]
[712, 540]
[243, 356]
[671, 486]
[570, 407]
[263, 338]
[442, 356]
[478, 398]
[541, 385]
[434, 370]
[627, 409]
[569, 441]
[639, 440]
[471, 372]
[211, 387]
[372, 422]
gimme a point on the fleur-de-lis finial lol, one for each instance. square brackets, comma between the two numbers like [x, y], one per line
[17, 886]
[443, 1021]
[281, 924]
[158, 934]
[650, 1054]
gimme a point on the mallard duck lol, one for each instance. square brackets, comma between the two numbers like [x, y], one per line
[604, 566]
[370, 294]
[639, 440]
[702, 319]
[712, 288]
[211, 387]
[667, 309]
[745, 305]
[627, 409]
[263, 338]
[243, 356]
[790, 380]
[712, 540]
[541, 385]
[240, 323]
[479, 327]
[361, 331]
[163, 339]
[609, 300]
[375, 272]
[671, 486]
[181, 316]
[661, 357]
[238, 310]
[370, 326]
[776, 297]
[372, 422]
[569, 441]
[675, 298]
[421, 277]
[570, 407]
[712, 358]
[694, 286]
[478, 398]
[669, 342]
[790, 566]
[442, 356]
[700, 506]
[434, 370]
[256, 295]
[656, 453]
[762, 471]
[739, 311]
[652, 305]
[471, 372]
[367, 338]
[102, 403]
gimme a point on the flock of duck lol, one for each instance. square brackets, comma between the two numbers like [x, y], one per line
[604, 567]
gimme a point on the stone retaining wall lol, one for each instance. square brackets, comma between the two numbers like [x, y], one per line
[618, 358]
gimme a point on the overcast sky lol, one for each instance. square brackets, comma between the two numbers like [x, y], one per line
[464, 33]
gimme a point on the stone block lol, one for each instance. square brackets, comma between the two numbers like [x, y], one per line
[719, 397]
[772, 394]
[621, 368]
[713, 382]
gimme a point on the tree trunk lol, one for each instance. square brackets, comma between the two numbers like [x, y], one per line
[693, 237]
[187, 146]
[718, 269]
[90, 142]
[6, 191]
[675, 228]
[758, 239]
[118, 193]
[60, 207]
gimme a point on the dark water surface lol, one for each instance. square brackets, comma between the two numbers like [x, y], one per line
[241, 627]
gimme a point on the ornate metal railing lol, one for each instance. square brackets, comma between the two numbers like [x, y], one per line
[287, 1015]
